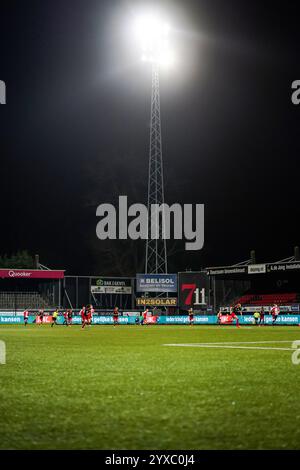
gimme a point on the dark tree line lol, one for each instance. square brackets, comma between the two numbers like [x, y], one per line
[20, 260]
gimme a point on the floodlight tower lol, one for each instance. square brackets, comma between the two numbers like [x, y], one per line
[155, 50]
[156, 248]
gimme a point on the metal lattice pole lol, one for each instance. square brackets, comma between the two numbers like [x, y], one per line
[156, 249]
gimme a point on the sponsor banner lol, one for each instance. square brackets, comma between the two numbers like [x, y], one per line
[226, 319]
[156, 282]
[10, 319]
[105, 320]
[287, 319]
[163, 320]
[31, 274]
[267, 308]
[111, 286]
[75, 313]
[102, 320]
[131, 314]
[294, 308]
[157, 301]
[111, 290]
[184, 319]
[46, 319]
[7, 313]
[256, 269]
[76, 319]
[279, 267]
[19, 319]
[226, 270]
[281, 319]
[151, 319]
[175, 320]
[192, 289]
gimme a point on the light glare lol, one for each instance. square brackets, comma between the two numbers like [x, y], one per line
[153, 37]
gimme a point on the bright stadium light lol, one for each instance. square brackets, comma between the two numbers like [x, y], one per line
[152, 40]
[152, 34]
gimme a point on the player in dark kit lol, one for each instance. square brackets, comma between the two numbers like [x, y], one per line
[262, 316]
[236, 310]
[90, 314]
[41, 316]
[116, 316]
[69, 317]
[191, 316]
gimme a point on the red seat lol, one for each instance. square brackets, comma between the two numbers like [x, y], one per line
[268, 299]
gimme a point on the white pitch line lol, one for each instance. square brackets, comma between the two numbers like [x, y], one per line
[245, 342]
[223, 346]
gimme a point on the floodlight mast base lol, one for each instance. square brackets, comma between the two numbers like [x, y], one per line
[156, 248]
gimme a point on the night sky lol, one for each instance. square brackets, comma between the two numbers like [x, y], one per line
[75, 130]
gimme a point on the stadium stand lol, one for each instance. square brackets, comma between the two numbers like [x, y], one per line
[288, 298]
[12, 300]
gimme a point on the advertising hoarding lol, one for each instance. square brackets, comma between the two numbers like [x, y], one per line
[156, 283]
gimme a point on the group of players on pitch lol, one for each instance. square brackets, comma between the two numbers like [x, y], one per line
[258, 316]
[236, 310]
[86, 314]
[233, 315]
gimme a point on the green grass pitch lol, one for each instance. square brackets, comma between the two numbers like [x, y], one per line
[122, 388]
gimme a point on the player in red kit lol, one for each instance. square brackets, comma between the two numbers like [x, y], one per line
[274, 312]
[116, 316]
[90, 315]
[144, 316]
[65, 318]
[236, 310]
[83, 316]
[26, 316]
